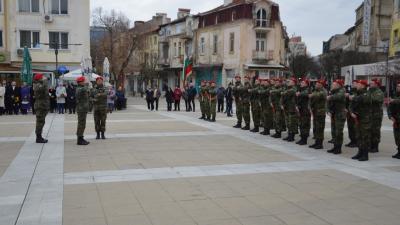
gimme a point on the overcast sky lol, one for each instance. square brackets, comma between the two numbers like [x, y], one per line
[314, 20]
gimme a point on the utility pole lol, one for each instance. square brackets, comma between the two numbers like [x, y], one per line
[57, 46]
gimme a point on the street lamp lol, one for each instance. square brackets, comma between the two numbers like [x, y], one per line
[57, 46]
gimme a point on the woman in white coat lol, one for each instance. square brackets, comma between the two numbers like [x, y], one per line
[2, 94]
[61, 93]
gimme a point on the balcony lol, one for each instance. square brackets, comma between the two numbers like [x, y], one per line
[263, 25]
[263, 55]
[163, 61]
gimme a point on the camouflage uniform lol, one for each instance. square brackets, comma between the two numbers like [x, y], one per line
[82, 108]
[318, 109]
[245, 96]
[289, 106]
[255, 107]
[238, 101]
[275, 98]
[207, 107]
[351, 125]
[303, 106]
[99, 96]
[266, 109]
[202, 100]
[42, 106]
[361, 107]
[337, 110]
[212, 92]
[394, 113]
[377, 99]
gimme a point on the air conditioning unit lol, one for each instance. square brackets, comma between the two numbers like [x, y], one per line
[20, 52]
[48, 18]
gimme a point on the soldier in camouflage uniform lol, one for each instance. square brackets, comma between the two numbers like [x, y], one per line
[202, 100]
[303, 109]
[394, 115]
[238, 101]
[82, 109]
[99, 96]
[337, 101]
[318, 109]
[207, 107]
[42, 105]
[212, 93]
[289, 107]
[361, 112]
[245, 97]
[275, 99]
[377, 98]
[255, 106]
[351, 126]
[266, 108]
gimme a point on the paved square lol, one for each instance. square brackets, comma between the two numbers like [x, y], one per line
[169, 168]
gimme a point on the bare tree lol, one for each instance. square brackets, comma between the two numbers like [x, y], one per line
[119, 43]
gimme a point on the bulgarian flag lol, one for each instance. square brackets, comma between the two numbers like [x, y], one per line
[187, 68]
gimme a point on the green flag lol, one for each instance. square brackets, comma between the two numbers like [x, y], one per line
[26, 69]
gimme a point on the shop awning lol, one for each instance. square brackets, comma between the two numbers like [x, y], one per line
[263, 66]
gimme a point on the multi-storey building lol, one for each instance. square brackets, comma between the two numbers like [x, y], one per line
[297, 46]
[240, 37]
[43, 26]
[395, 33]
[175, 46]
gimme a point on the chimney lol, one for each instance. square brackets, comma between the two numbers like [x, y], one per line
[183, 13]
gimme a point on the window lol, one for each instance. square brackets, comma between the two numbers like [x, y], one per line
[261, 42]
[58, 40]
[1, 6]
[155, 40]
[175, 50]
[202, 45]
[216, 19]
[262, 18]
[59, 7]
[396, 37]
[232, 42]
[28, 5]
[1, 38]
[215, 45]
[29, 39]
[233, 15]
[180, 49]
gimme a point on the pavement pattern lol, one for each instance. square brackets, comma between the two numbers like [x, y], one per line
[169, 168]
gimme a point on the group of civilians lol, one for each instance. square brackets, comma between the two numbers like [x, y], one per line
[15, 99]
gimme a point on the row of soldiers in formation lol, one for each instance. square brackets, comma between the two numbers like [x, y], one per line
[97, 94]
[286, 105]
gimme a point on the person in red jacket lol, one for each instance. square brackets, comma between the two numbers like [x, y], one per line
[177, 98]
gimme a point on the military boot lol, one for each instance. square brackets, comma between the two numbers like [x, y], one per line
[103, 136]
[375, 148]
[277, 135]
[265, 132]
[303, 140]
[291, 137]
[40, 139]
[337, 150]
[256, 129]
[238, 125]
[82, 141]
[397, 156]
[358, 155]
[202, 117]
[331, 141]
[97, 135]
[352, 144]
[364, 155]
[213, 120]
[318, 144]
[247, 127]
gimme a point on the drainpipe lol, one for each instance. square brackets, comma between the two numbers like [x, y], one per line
[5, 8]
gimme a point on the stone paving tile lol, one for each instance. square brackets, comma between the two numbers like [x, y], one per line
[8, 152]
[120, 154]
[12, 130]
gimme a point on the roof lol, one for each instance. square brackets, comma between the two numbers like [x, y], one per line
[233, 4]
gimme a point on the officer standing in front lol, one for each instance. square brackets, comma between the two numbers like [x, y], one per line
[82, 109]
[99, 96]
[42, 105]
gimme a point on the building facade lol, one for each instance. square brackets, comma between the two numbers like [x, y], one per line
[43, 26]
[395, 32]
[240, 37]
[297, 46]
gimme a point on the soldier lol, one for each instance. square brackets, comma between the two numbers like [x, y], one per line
[238, 101]
[99, 96]
[212, 101]
[245, 96]
[289, 107]
[275, 99]
[394, 115]
[303, 109]
[377, 98]
[337, 101]
[255, 105]
[318, 109]
[266, 108]
[202, 100]
[351, 126]
[82, 109]
[42, 105]
[361, 112]
[207, 106]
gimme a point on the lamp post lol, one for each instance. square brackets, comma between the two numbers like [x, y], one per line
[57, 46]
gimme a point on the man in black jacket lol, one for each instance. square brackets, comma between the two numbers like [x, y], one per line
[229, 100]
[71, 99]
[13, 98]
[192, 97]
